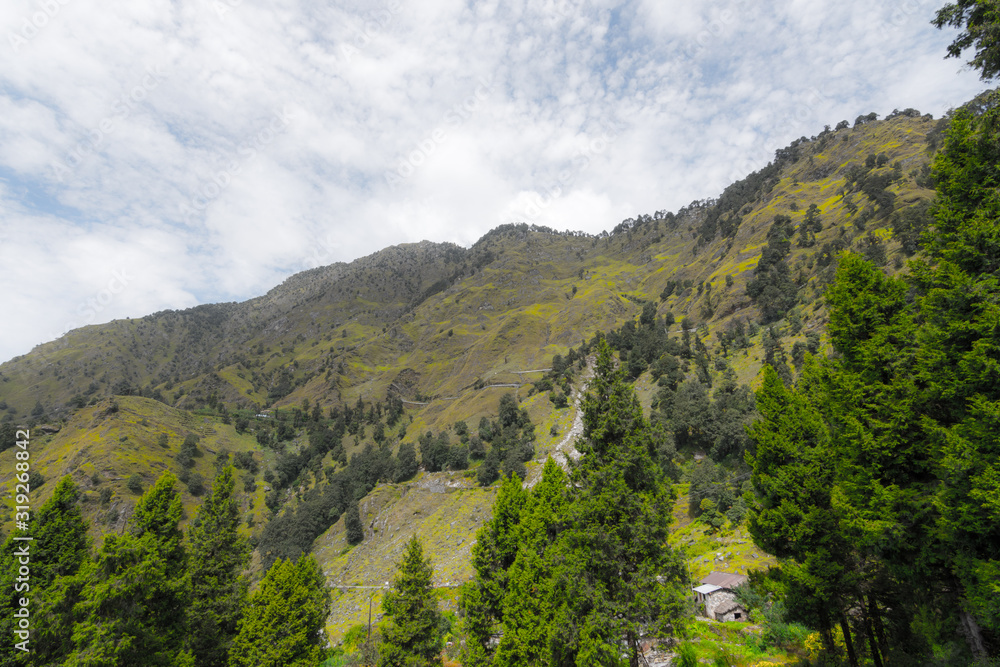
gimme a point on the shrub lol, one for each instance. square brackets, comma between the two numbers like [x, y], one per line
[35, 479]
[196, 484]
[134, 484]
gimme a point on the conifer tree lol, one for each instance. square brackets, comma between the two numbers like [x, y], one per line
[527, 605]
[158, 515]
[218, 590]
[61, 545]
[618, 576]
[492, 555]
[58, 550]
[793, 515]
[410, 635]
[135, 596]
[61, 550]
[283, 621]
[352, 524]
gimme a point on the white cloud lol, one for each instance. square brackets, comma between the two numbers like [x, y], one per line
[139, 136]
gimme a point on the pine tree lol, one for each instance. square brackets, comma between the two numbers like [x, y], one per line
[11, 591]
[218, 590]
[492, 555]
[158, 514]
[410, 635]
[792, 514]
[61, 549]
[618, 576]
[527, 605]
[57, 552]
[282, 625]
[135, 597]
[61, 545]
[352, 524]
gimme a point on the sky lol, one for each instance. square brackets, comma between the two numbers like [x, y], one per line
[160, 154]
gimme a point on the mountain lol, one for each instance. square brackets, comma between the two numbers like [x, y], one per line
[442, 332]
[353, 328]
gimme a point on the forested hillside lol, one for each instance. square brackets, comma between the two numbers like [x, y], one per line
[476, 455]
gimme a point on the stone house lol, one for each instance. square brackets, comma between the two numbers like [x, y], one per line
[715, 598]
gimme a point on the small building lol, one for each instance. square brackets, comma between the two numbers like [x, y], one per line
[715, 597]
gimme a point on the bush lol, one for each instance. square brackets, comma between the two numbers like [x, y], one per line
[35, 479]
[134, 484]
[196, 484]
[106, 495]
[489, 471]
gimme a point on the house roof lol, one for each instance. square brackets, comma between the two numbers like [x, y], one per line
[724, 579]
[705, 589]
[725, 608]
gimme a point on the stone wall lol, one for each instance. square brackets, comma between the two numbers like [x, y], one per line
[723, 600]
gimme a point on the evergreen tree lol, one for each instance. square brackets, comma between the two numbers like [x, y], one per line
[136, 595]
[489, 471]
[158, 514]
[218, 590]
[492, 555]
[282, 625]
[406, 462]
[618, 576]
[57, 552]
[907, 411]
[410, 635]
[792, 514]
[352, 524]
[527, 605]
[60, 550]
[61, 545]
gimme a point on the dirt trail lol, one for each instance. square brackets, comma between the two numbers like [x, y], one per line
[565, 449]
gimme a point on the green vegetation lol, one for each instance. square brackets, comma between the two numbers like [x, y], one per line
[410, 634]
[366, 435]
[572, 572]
[883, 501]
[283, 618]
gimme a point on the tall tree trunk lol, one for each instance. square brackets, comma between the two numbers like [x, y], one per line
[826, 631]
[876, 617]
[973, 636]
[846, 629]
[873, 646]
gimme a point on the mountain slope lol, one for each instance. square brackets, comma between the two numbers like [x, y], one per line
[448, 331]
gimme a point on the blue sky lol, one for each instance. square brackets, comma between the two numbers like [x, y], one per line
[159, 154]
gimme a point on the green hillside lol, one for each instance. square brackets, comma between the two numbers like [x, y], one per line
[317, 389]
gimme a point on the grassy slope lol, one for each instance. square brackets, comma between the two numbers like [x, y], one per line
[115, 445]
